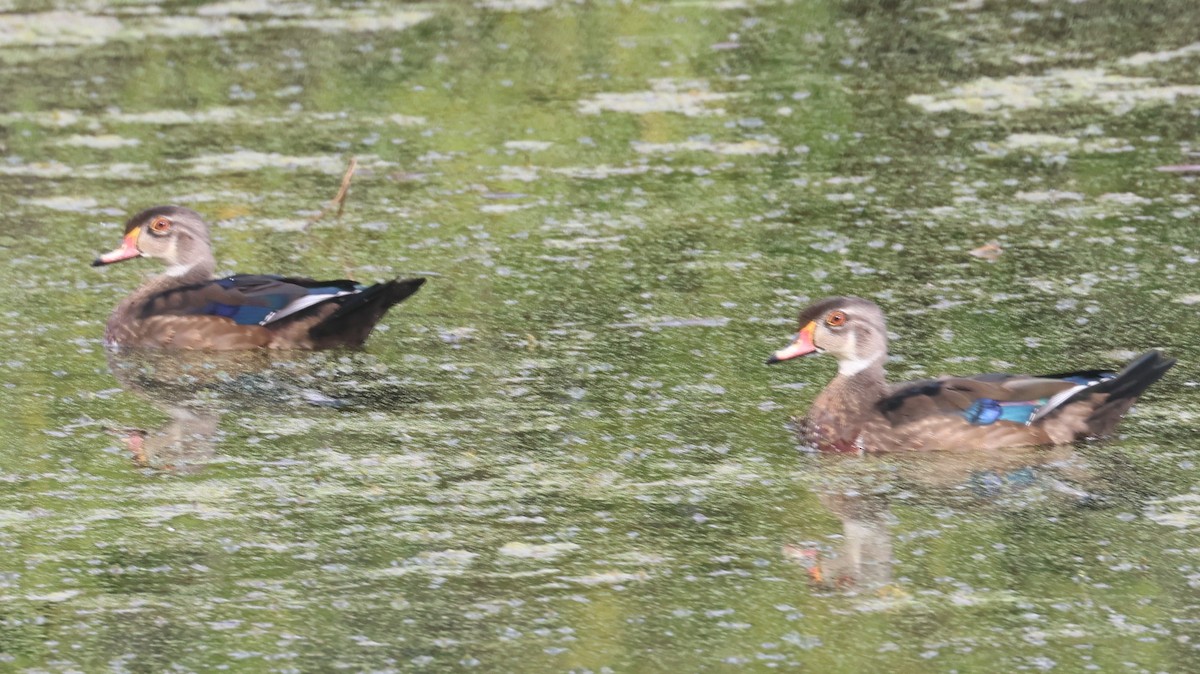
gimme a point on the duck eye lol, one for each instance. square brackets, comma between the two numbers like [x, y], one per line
[836, 319]
[160, 225]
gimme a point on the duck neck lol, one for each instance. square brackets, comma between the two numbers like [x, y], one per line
[197, 269]
[858, 385]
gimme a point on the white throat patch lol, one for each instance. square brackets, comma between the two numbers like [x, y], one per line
[179, 269]
[849, 368]
[852, 366]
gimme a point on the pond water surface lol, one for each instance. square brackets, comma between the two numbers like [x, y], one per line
[564, 453]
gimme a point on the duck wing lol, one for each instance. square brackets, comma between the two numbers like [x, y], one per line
[246, 299]
[986, 399]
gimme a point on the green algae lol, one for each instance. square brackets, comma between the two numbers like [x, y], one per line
[564, 453]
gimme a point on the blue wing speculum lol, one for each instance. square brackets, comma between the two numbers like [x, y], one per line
[985, 411]
[272, 298]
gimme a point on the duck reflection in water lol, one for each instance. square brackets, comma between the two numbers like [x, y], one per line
[184, 445]
[860, 490]
[180, 385]
[195, 389]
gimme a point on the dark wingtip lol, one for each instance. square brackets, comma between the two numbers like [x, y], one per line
[413, 283]
[1152, 358]
[407, 287]
[350, 324]
[1162, 360]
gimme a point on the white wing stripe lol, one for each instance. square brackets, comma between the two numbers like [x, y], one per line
[1054, 401]
[302, 304]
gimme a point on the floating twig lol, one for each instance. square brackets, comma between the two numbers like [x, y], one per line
[339, 199]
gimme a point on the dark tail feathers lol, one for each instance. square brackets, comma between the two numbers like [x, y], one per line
[1124, 389]
[356, 317]
[1136, 376]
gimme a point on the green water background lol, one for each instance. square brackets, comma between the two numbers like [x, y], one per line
[564, 454]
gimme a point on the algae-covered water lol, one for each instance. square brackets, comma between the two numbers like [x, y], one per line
[564, 453]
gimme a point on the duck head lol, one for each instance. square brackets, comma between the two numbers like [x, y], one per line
[177, 236]
[851, 329]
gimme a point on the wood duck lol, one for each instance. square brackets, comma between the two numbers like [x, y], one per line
[860, 412]
[186, 308]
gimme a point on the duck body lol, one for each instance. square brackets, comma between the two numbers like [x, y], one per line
[186, 308]
[860, 412]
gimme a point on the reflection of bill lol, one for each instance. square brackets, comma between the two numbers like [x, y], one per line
[858, 491]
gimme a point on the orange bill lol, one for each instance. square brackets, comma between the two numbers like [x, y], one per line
[801, 346]
[127, 250]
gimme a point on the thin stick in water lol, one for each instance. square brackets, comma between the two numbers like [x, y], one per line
[339, 199]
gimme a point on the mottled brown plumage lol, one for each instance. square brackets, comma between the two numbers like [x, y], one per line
[860, 412]
[186, 308]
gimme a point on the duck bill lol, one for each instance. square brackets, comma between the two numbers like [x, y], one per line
[802, 346]
[127, 251]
